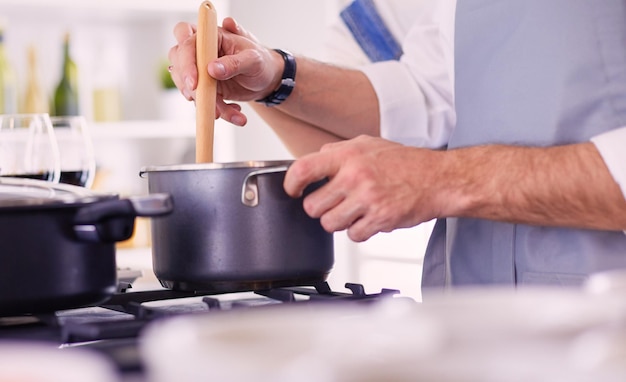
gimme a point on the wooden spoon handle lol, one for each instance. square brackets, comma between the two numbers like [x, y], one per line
[206, 51]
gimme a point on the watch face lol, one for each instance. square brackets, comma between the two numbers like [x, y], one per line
[287, 83]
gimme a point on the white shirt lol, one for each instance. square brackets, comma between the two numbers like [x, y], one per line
[416, 93]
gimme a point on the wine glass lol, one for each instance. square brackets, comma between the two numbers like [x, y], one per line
[28, 148]
[78, 162]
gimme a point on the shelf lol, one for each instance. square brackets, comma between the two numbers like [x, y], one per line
[155, 129]
[143, 129]
[113, 11]
[120, 5]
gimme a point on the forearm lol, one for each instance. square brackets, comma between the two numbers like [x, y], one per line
[338, 100]
[558, 186]
[299, 137]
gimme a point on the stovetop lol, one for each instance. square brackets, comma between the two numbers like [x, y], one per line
[114, 327]
[316, 334]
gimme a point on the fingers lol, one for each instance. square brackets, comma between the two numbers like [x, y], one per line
[232, 26]
[309, 169]
[317, 166]
[363, 195]
[182, 31]
[362, 230]
[362, 220]
[344, 210]
[324, 199]
[183, 59]
[340, 205]
[337, 203]
[342, 214]
[246, 62]
[230, 112]
[245, 70]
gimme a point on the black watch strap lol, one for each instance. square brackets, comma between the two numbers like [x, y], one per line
[287, 83]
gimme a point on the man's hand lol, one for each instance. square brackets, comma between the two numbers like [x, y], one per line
[375, 186]
[245, 70]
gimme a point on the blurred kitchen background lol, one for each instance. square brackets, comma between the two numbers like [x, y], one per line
[120, 48]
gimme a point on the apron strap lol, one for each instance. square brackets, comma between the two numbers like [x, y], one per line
[370, 32]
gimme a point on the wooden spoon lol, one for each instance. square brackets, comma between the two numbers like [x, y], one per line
[206, 51]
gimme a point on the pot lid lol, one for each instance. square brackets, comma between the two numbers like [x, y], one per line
[18, 192]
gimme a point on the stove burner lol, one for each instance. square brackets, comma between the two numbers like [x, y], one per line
[125, 313]
[133, 302]
[241, 286]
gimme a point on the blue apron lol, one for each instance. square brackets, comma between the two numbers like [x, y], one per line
[536, 73]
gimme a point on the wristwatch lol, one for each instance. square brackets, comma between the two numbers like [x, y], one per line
[287, 83]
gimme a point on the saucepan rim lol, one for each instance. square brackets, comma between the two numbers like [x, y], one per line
[214, 166]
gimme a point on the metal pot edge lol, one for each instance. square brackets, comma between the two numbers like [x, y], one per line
[56, 194]
[214, 166]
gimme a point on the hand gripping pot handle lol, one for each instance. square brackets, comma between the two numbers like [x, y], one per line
[250, 189]
[114, 220]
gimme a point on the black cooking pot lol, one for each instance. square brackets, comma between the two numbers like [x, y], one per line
[57, 243]
[235, 229]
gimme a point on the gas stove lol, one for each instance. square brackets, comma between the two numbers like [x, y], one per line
[113, 328]
[315, 333]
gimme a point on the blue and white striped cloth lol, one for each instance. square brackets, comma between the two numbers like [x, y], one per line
[370, 32]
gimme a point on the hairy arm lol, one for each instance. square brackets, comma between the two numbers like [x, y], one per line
[337, 100]
[558, 186]
[299, 138]
[322, 109]
[378, 186]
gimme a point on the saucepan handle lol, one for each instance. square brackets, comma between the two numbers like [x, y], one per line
[250, 189]
[114, 220]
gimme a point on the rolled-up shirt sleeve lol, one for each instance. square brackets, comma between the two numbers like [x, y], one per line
[416, 92]
[611, 145]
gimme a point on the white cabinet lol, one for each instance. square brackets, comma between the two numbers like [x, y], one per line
[94, 6]
[126, 41]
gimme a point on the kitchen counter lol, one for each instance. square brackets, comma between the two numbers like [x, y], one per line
[474, 334]
[482, 334]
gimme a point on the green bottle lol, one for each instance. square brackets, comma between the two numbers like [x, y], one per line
[8, 82]
[66, 92]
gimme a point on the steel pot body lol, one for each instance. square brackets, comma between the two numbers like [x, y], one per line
[57, 243]
[234, 228]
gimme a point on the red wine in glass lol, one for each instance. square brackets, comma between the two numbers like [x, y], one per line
[36, 176]
[76, 178]
[77, 159]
